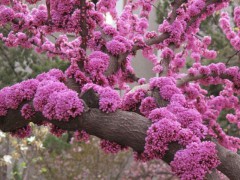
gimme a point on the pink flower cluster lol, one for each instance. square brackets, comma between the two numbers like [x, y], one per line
[109, 100]
[75, 73]
[111, 147]
[53, 74]
[27, 111]
[176, 112]
[12, 97]
[178, 62]
[159, 135]
[56, 130]
[195, 7]
[62, 105]
[44, 90]
[131, 101]
[186, 136]
[109, 30]
[54, 99]
[6, 15]
[146, 7]
[199, 48]
[81, 136]
[98, 63]
[176, 122]
[175, 31]
[195, 161]
[105, 6]
[147, 105]
[18, 39]
[49, 96]
[166, 87]
[215, 73]
[22, 132]
[237, 16]
[5, 2]
[167, 53]
[119, 45]
[160, 113]
[232, 36]
[39, 16]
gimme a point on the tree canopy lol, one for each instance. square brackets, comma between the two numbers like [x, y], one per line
[171, 117]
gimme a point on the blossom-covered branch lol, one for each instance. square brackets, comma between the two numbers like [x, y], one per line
[125, 128]
[169, 117]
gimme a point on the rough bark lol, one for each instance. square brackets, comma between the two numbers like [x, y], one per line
[125, 128]
[230, 163]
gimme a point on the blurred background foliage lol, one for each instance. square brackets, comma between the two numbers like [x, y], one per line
[42, 156]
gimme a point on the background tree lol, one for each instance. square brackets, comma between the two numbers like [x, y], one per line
[183, 119]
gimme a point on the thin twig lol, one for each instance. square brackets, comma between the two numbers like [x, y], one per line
[230, 57]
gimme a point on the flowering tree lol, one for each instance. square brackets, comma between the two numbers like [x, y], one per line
[171, 117]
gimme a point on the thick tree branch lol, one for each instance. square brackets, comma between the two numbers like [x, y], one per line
[189, 78]
[124, 128]
[230, 163]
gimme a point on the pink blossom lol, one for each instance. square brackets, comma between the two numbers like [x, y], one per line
[115, 47]
[207, 40]
[131, 100]
[231, 118]
[27, 111]
[109, 99]
[160, 113]
[188, 116]
[168, 91]
[6, 15]
[98, 62]
[22, 132]
[159, 135]
[63, 105]
[56, 130]
[142, 81]
[147, 105]
[111, 147]
[81, 136]
[186, 136]
[44, 90]
[195, 161]
[167, 53]
[107, 6]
